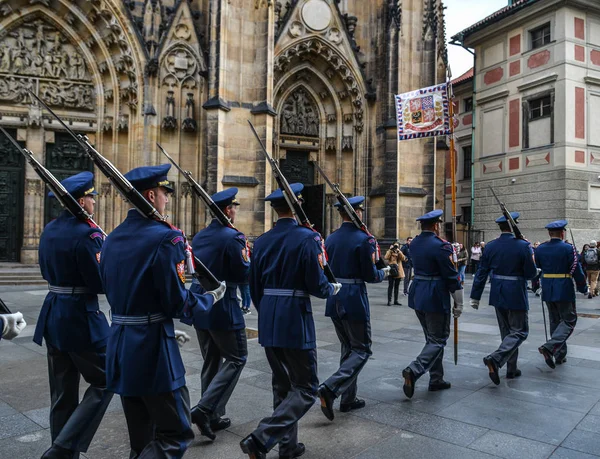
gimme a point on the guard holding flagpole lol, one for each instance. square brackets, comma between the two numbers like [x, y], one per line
[436, 281]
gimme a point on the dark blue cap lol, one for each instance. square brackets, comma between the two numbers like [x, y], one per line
[79, 185]
[557, 225]
[514, 215]
[433, 215]
[278, 200]
[356, 202]
[147, 177]
[226, 197]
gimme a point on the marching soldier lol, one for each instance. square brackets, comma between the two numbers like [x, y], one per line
[143, 269]
[11, 325]
[71, 323]
[436, 280]
[352, 254]
[510, 262]
[559, 263]
[221, 333]
[287, 267]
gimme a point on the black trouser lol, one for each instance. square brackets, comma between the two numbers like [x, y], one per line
[563, 318]
[355, 338]
[514, 329]
[224, 353]
[159, 425]
[436, 327]
[73, 423]
[393, 284]
[295, 384]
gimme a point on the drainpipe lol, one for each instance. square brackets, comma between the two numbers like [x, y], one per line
[462, 45]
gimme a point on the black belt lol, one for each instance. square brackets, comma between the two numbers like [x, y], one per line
[427, 278]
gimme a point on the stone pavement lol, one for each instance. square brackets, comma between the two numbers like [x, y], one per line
[544, 413]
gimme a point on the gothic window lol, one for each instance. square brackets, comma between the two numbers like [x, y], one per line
[300, 115]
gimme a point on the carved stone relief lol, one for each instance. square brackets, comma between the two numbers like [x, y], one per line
[299, 115]
[36, 56]
[180, 63]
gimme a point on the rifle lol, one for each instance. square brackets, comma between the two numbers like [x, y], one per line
[511, 222]
[3, 308]
[196, 268]
[380, 264]
[62, 195]
[292, 200]
[201, 192]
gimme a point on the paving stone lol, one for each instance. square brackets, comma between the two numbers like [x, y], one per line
[407, 444]
[584, 441]
[16, 424]
[405, 418]
[511, 446]
[529, 420]
[6, 410]
[565, 453]
[28, 446]
[548, 393]
[590, 423]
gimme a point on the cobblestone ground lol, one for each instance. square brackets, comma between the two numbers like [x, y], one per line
[545, 413]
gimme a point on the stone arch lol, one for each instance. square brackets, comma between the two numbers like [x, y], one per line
[85, 62]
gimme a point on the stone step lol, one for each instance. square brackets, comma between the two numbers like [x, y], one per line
[23, 282]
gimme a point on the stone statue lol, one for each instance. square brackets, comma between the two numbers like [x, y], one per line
[299, 116]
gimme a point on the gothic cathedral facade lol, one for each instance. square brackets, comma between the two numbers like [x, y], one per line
[316, 77]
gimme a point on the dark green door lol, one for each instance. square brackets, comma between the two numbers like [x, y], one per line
[12, 178]
[64, 158]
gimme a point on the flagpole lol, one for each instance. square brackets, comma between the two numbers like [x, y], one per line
[452, 156]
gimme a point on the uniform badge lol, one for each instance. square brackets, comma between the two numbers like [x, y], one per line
[96, 235]
[245, 255]
[176, 240]
[321, 261]
[181, 270]
[98, 256]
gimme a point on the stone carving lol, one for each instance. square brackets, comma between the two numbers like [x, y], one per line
[348, 117]
[36, 56]
[300, 116]
[331, 118]
[334, 35]
[296, 29]
[123, 123]
[182, 32]
[180, 63]
[189, 123]
[39, 49]
[169, 122]
[10, 157]
[351, 22]
[66, 154]
[330, 143]
[65, 94]
[152, 25]
[33, 187]
[186, 190]
[347, 143]
[107, 124]
[395, 12]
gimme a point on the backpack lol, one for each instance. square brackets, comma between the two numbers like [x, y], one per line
[591, 256]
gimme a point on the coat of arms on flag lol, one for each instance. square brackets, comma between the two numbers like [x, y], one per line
[423, 113]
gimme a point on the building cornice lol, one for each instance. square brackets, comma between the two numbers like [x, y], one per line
[592, 80]
[492, 97]
[537, 82]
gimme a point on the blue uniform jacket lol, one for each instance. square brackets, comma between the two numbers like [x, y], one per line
[69, 256]
[510, 257]
[287, 257]
[558, 257]
[352, 256]
[432, 257]
[405, 249]
[143, 270]
[223, 251]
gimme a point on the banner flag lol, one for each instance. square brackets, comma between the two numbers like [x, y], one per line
[423, 113]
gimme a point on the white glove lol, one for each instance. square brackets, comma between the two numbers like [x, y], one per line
[458, 297]
[386, 271]
[219, 293]
[457, 310]
[181, 337]
[538, 271]
[336, 288]
[474, 303]
[13, 325]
